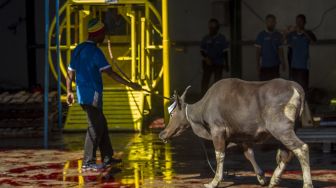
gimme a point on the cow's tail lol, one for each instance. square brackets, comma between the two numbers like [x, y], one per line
[299, 89]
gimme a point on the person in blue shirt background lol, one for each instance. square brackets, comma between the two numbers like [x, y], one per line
[214, 50]
[87, 64]
[269, 51]
[298, 41]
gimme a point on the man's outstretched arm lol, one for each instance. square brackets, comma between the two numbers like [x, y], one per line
[119, 79]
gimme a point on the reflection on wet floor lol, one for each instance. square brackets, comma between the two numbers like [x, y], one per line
[149, 163]
[144, 158]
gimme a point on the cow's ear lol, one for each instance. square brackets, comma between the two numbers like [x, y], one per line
[178, 102]
[185, 93]
[175, 94]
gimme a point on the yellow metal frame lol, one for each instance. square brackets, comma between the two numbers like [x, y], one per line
[165, 46]
[142, 44]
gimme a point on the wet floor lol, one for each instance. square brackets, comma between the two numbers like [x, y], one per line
[147, 162]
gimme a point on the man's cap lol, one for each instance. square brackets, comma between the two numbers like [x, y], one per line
[95, 25]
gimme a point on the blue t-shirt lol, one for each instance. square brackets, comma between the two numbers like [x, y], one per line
[269, 42]
[214, 47]
[88, 61]
[299, 44]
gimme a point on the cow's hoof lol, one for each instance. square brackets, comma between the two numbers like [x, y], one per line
[271, 185]
[261, 179]
[308, 186]
[274, 182]
[209, 185]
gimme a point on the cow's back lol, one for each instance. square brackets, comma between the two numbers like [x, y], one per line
[242, 105]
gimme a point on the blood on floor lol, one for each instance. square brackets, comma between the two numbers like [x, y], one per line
[147, 162]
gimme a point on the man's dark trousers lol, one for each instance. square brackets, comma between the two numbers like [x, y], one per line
[96, 136]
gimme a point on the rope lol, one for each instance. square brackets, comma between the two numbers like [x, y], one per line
[114, 63]
[207, 156]
[204, 148]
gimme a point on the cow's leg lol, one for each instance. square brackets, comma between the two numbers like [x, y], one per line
[302, 153]
[288, 137]
[249, 154]
[220, 146]
[283, 157]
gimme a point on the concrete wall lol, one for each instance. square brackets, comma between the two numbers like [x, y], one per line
[13, 70]
[188, 24]
[323, 57]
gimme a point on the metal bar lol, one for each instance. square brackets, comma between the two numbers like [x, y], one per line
[63, 47]
[147, 17]
[81, 26]
[143, 50]
[46, 73]
[59, 89]
[154, 47]
[68, 32]
[103, 2]
[148, 39]
[51, 35]
[133, 45]
[76, 25]
[165, 57]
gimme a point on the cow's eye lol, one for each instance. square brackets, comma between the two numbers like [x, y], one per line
[171, 114]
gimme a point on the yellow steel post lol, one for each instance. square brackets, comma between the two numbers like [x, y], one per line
[133, 44]
[147, 16]
[76, 27]
[148, 35]
[81, 26]
[82, 23]
[165, 54]
[143, 50]
[94, 12]
[68, 32]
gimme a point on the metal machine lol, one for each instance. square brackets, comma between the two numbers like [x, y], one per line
[137, 46]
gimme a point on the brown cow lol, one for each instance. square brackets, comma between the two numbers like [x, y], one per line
[242, 112]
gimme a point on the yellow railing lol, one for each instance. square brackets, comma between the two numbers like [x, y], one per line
[139, 56]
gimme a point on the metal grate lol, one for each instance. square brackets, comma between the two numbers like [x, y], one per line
[123, 110]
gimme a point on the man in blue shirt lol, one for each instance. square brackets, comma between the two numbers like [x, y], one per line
[298, 43]
[87, 64]
[214, 50]
[269, 51]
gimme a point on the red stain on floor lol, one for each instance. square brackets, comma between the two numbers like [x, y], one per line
[9, 182]
[29, 168]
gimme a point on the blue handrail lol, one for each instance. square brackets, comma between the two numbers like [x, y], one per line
[59, 90]
[46, 73]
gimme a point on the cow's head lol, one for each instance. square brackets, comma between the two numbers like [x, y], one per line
[178, 122]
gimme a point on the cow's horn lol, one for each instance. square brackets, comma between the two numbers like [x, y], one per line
[184, 93]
